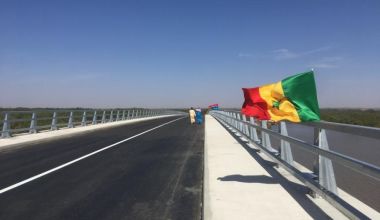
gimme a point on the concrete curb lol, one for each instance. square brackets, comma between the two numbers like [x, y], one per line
[207, 214]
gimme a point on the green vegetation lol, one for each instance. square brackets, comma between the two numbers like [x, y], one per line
[364, 117]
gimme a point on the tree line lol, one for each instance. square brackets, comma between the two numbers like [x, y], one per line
[364, 117]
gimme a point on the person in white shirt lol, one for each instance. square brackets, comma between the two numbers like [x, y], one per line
[192, 115]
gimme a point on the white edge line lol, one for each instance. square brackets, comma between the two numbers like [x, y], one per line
[80, 158]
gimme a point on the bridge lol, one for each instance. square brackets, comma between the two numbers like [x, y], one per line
[154, 164]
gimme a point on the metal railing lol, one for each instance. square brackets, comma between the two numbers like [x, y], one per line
[323, 182]
[16, 122]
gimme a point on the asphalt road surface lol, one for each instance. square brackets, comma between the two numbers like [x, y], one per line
[135, 171]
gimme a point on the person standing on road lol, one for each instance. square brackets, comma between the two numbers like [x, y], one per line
[198, 115]
[192, 115]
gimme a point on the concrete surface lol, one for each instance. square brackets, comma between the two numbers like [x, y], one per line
[239, 184]
[224, 147]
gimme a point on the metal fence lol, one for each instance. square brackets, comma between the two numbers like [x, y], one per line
[17, 122]
[322, 182]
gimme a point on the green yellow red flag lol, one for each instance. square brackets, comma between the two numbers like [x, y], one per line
[293, 99]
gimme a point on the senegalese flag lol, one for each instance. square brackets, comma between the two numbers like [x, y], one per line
[293, 99]
[214, 106]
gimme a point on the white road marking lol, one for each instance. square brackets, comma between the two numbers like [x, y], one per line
[81, 158]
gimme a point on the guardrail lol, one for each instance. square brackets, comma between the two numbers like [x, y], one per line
[323, 182]
[15, 122]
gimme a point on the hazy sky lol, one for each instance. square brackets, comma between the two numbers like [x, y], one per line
[184, 53]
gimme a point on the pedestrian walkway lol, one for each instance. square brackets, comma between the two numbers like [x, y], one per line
[239, 183]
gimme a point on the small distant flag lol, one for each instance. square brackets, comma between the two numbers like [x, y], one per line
[293, 99]
[214, 107]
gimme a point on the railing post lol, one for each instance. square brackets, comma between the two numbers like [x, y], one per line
[111, 116]
[33, 124]
[246, 129]
[94, 118]
[265, 137]
[123, 117]
[316, 143]
[133, 112]
[326, 172]
[6, 127]
[70, 124]
[236, 121]
[235, 126]
[254, 131]
[54, 122]
[286, 151]
[128, 116]
[117, 116]
[226, 121]
[232, 121]
[84, 119]
[240, 125]
[103, 117]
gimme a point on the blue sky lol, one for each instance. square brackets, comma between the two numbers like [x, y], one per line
[184, 53]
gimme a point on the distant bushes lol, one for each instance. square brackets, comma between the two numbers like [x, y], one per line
[365, 117]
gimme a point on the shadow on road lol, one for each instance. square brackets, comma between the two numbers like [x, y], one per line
[249, 179]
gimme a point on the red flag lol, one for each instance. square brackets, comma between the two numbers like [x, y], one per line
[254, 105]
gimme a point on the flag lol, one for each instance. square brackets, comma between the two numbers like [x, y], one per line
[293, 99]
[214, 106]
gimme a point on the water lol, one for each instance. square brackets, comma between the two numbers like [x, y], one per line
[362, 187]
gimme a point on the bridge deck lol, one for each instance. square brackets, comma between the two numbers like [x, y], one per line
[156, 173]
[240, 184]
